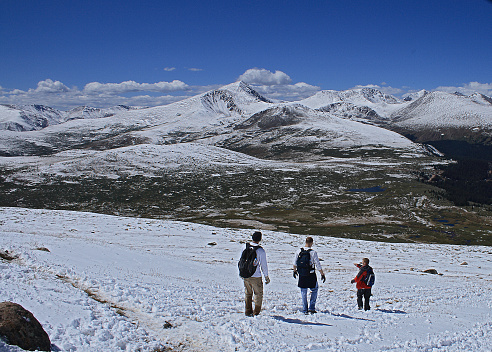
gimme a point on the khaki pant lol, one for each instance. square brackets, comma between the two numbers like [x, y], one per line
[253, 286]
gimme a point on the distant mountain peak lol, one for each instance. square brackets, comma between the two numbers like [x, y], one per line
[415, 95]
[228, 99]
[246, 88]
[372, 95]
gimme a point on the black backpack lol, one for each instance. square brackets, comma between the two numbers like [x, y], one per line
[248, 262]
[370, 277]
[303, 263]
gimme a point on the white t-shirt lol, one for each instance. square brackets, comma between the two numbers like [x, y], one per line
[262, 261]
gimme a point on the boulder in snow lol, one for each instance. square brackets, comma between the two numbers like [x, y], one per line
[19, 327]
[431, 271]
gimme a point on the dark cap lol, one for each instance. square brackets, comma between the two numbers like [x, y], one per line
[257, 236]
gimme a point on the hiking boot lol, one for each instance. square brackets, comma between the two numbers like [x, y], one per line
[312, 312]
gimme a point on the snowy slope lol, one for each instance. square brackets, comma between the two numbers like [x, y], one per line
[105, 283]
[439, 109]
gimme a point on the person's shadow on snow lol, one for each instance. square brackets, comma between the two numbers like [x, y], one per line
[297, 321]
[346, 316]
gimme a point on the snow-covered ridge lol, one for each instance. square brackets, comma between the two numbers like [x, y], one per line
[372, 98]
[36, 117]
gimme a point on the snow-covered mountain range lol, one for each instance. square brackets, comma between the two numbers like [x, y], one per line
[239, 118]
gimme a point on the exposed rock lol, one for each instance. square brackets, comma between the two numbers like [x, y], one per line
[19, 327]
[5, 254]
[464, 263]
[431, 271]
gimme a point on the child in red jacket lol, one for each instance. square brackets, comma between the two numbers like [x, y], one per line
[363, 291]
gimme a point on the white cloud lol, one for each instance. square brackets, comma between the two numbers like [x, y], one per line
[58, 95]
[169, 68]
[468, 88]
[264, 77]
[277, 85]
[132, 86]
[17, 92]
[194, 69]
[290, 92]
[50, 86]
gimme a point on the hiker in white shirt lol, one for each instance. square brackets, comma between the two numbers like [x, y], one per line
[306, 270]
[254, 285]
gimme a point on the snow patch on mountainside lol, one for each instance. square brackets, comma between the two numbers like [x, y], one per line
[144, 159]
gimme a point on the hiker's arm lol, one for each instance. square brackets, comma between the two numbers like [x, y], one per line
[317, 264]
[358, 277]
[263, 262]
[294, 266]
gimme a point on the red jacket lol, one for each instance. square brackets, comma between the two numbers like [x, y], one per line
[359, 279]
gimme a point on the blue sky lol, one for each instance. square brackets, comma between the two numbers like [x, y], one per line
[102, 53]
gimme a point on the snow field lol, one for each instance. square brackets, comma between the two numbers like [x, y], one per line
[111, 283]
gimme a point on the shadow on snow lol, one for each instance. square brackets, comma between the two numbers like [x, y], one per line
[297, 321]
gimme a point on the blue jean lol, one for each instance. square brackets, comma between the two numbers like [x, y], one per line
[312, 301]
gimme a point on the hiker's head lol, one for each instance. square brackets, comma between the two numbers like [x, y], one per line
[365, 261]
[309, 241]
[256, 236]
